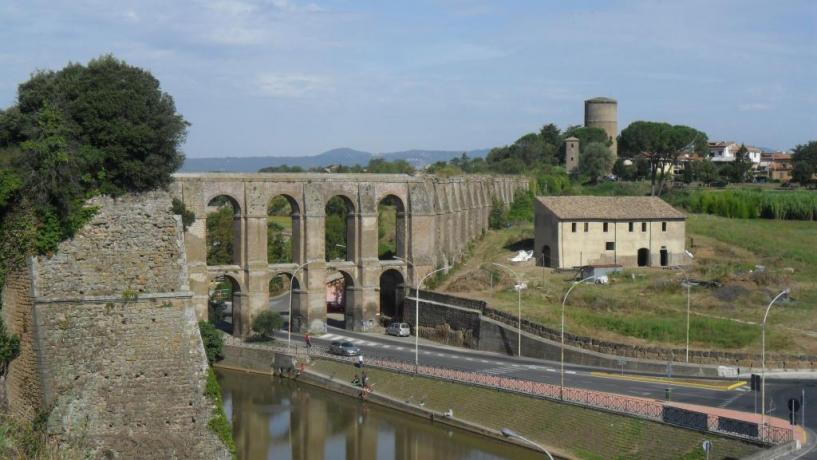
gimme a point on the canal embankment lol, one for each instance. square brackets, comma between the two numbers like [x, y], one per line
[570, 431]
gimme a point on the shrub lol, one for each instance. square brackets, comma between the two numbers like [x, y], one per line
[498, 218]
[218, 423]
[178, 208]
[9, 347]
[212, 340]
[266, 323]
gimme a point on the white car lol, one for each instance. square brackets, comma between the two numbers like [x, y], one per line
[399, 329]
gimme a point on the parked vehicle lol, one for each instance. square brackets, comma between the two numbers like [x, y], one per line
[399, 329]
[343, 348]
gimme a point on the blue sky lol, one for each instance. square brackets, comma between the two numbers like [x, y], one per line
[297, 77]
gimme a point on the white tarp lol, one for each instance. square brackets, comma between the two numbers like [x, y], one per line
[522, 256]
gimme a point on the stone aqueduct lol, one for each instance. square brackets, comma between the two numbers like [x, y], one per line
[436, 218]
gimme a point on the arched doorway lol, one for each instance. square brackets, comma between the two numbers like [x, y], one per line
[391, 228]
[339, 229]
[280, 297]
[223, 237]
[392, 293]
[283, 230]
[546, 256]
[224, 306]
[643, 257]
[340, 300]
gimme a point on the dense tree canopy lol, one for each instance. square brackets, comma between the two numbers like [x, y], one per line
[104, 127]
[805, 162]
[595, 161]
[660, 144]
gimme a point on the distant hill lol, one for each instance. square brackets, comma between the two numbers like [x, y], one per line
[339, 156]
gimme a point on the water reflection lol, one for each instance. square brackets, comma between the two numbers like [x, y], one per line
[278, 419]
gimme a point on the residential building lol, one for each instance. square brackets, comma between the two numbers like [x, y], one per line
[776, 166]
[724, 152]
[575, 231]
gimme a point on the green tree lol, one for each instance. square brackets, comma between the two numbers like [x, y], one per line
[266, 323]
[804, 162]
[498, 217]
[741, 166]
[704, 171]
[382, 166]
[660, 144]
[595, 161]
[335, 230]
[220, 236]
[212, 341]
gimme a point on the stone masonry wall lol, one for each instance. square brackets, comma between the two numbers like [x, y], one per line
[133, 243]
[119, 358]
[22, 392]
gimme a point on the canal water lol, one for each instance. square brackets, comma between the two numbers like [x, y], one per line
[279, 420]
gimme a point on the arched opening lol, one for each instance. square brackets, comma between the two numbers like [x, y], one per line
[283, 230]
[339, 230]
[340, 300]
[224, 306]
[546, 256]
[223, 231]
[280, 296]
[643, 257]
[392, 293]
[391, 228]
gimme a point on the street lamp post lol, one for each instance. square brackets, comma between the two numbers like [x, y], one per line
[562, 380]
[686, 281]
[783, 293]
[289, 319]
[417, 308]
[518, 287]
[509, 433]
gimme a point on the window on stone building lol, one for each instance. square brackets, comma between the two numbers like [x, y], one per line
[643, 226]
[586, 226]
[573, 227]
[631, 226]
[663, 226]
[610, 246]
[605, 227]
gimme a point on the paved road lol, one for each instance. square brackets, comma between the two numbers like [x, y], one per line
[738, 397]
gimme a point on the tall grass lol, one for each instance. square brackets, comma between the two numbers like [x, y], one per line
[751, 204]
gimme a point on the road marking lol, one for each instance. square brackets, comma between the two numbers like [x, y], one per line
[469, 359]
[399, 348]
[440, 354]
[717, 386]
[484, 361]
[550, 369]
[570, 372]
[499, 370]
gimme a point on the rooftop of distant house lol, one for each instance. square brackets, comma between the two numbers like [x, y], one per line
[724, 144]
[610, 208]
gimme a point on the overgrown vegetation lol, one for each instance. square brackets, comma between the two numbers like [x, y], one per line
[266, 323]
[23, 440]
[212, 340]
[9, 347]
[188, 216]
[218, 423]
[101, 128]
[750, 204]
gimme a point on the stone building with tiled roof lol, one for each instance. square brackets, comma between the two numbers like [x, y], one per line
[574, 231]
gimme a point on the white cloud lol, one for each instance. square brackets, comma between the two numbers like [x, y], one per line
[291, 85]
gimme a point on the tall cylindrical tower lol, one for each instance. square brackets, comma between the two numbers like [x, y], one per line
[602, 112]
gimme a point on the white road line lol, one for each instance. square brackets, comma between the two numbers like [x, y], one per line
[550, 369]
[440, 354]
[570, 372]
[399, 348]
[386, 346]
[499, 370]
[469, 359]
[329, 337]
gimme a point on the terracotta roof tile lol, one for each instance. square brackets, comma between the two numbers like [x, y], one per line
[610, 207]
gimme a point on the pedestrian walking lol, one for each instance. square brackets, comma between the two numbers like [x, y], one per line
[360, 360]
[307, 340]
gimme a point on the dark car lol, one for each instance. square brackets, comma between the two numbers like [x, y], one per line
[343, 348]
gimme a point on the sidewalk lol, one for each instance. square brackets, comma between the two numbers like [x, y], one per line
[799, 432]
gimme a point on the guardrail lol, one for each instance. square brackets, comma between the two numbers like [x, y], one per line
[650, 409]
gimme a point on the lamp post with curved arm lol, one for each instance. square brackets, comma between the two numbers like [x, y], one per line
[417, 307]
[686, 281]
[518, 288]
[785, 292]
[289, 320]
[564, 301]
[509, 433]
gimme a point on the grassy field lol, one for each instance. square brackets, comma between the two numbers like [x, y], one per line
[582, 432]
[648, 306]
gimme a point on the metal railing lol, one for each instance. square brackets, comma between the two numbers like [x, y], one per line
[650, 409]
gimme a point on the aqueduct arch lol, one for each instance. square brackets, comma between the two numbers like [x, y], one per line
[435, 219]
